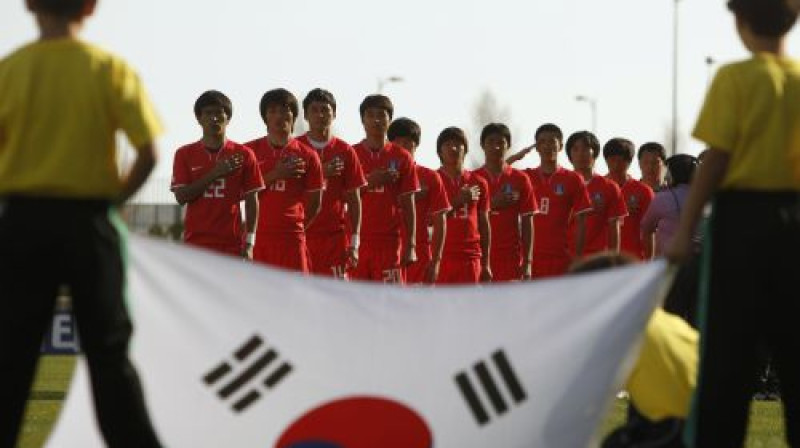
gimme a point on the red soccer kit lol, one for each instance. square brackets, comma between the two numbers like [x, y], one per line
[326, 238]
[506, 255]
[561, 195]
[429, 201]
[381, 215]
[461, 260]
[637, 196]
[607, 204]
[280, 238]
[214, 220]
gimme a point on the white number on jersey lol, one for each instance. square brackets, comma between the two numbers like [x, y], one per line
[215, 189]
[544, 206]
[278, 185]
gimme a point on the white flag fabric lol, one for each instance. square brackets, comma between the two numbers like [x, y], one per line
[233, 354]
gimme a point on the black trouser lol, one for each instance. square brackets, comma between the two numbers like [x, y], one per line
[45, 243]
[750, 306]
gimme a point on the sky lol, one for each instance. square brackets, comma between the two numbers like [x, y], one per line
[534, 57]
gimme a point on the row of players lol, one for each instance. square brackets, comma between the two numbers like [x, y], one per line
[316, 204]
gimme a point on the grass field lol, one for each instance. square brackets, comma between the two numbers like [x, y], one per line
[766, 422]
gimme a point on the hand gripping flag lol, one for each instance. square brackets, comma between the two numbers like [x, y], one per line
[233, 354]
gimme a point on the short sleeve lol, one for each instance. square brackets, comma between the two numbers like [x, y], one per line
[717, 122]
[181, 175]
[483, 200]
[409, 182]
[354, 174]
[527, 200]
[617, 207]
[437, 195]
[251, 175]
[132, 107]
[580, 202]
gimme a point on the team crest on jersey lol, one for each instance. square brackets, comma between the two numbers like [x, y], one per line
[393, 164]
[559, 189]
[633, 202]
[598, 201]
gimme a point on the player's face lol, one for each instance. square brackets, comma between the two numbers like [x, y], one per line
[548, 145]
[214, 120]
[453, 153]
[651, 165]
[495, 147]
[279, 119]
[582, 158]
[375, 121]
[406, 143]
[319, 115]
[617, 164]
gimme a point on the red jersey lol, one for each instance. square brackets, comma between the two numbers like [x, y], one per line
[607, 204]
[331, 218]
[561, 195]
[505, 222]
[215, 217]
[637, 196]
[463, 238]
[381, 216]
[428, 201]
[281, 204]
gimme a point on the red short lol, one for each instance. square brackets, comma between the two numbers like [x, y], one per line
[415, 273]
[378, 265]
[227, 249]
[543, 267]
[506, 267]
[327, 254]
[461, 270]
[291, 254]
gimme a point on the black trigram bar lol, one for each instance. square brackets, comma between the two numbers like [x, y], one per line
[490, 387]
[278, 375]
[215, 375]
[247, 376]
[248, 348]
[246, 401]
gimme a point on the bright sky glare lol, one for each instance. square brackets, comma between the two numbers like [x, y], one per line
[534, 56]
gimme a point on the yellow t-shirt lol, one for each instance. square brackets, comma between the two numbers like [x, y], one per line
[61, 104]
[664, 377]
[752, 111]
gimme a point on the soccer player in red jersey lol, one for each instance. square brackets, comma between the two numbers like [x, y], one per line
[619, 153]
[331, 249]
[469, 235]
[562, 197]
[293, 175]
[211, 177]
[431, 206]
[608, 208]
[387, 202]
[512, 207]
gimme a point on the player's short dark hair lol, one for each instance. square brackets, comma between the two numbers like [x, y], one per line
[71, 9]
[213, 98]
[280, 97]
[653, 148]
[767, 18]
[404, 128]
[549, 127]
[319, 96]
[681, 168]
[451, 133]
[588, 138]
[379, 102]
[619, 146]
[496, 128]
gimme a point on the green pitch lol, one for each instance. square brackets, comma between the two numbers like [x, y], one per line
[766, 421]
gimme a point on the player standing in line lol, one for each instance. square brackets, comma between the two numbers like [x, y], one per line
[211, 177]
[387, 200]
[331, 249]
[608, 208]
[293, 175]
[652, 163]
[619, 153]
[512, 207]
[430, 205]
[62, 100]
[469, 235]
[562, 197]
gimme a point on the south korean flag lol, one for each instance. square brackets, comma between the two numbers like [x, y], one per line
[233, 354]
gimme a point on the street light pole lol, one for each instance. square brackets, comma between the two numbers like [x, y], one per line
[674, 146]
[383, 81]
[593, 105]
